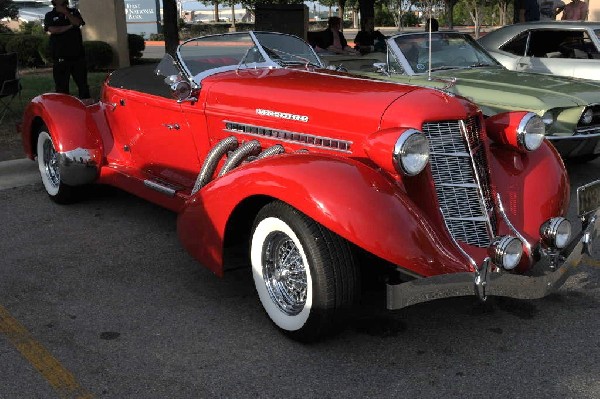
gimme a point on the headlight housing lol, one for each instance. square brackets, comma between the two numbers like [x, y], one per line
[548, 118]
[587, 117]
[506, 252]
[556, 232]
[411, 152]
[531, 132]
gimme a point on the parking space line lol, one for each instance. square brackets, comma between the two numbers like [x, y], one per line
[61, 380]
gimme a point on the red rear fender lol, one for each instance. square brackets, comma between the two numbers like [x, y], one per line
[70, 123]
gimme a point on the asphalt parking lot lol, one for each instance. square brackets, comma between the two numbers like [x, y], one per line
[98, 299]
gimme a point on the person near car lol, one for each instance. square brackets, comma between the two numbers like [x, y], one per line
[66, 45]
[332, 39]
[526, 11]
[368, 39]
[576, 10]
[549, 9]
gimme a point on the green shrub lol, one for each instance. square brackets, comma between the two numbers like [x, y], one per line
[4, 38]
[136, 45]
[98, 55]
[44, 50]
[27, 48]
[31, 28]
[5, 29]
[156, 37]
[243, 26]
[201, 29]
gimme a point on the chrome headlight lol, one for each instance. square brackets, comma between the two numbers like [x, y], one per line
[556, 232]
[531, 132]
[411, 152]
[587, 117]
[506, 252]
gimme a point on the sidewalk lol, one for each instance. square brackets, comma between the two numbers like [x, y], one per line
[18, 173]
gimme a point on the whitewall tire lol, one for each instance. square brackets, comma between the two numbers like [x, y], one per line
[304, 274]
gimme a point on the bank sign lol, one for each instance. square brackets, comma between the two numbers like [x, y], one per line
[142, 11]
[142, 16]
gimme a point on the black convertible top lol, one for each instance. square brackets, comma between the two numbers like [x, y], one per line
[140, 78]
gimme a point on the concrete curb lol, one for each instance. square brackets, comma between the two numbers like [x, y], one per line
[18, 173]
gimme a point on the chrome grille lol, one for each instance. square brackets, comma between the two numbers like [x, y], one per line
[460, 174]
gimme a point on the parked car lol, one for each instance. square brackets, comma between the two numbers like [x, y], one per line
[565, 48]
[570, 108]
[313, 172]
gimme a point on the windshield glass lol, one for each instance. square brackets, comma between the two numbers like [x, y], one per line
[211, 54]
[448, 51]
[286, 49]
[597, 32]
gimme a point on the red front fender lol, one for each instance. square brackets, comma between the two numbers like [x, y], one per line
[346, 196]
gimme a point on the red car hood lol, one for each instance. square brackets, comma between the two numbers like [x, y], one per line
[302, 101]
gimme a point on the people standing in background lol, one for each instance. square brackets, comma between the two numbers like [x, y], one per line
[332, 39]
[550, 8]
[66, 44]
[433, 24]
[526, 11]
[576, 10]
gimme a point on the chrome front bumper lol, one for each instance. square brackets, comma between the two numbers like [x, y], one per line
[489, 282]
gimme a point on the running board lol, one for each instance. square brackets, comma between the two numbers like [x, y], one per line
[160, 188]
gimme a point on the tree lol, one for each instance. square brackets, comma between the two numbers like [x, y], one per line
[170, 29]
[8, 9]
[449, 12]
[215, 3]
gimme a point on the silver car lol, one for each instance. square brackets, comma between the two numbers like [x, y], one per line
[567, 48]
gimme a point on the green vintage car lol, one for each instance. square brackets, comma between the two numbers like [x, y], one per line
[454, 62]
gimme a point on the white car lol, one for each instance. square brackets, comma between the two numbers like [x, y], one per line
[566, 48]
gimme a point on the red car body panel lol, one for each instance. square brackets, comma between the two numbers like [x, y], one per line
[353, 191]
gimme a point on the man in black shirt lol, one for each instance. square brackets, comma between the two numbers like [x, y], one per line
[66, 45]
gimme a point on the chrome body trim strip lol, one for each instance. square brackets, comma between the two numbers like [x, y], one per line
[308, 140]
[160, 188]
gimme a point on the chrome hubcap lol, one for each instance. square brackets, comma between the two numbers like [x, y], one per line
[284, 273]
[50, 158]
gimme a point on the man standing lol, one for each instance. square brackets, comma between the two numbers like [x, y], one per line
[550, 8]
[526, 11]
[66, 44]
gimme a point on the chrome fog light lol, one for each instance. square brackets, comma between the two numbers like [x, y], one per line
[411, 152]
[556, 232]
[531, 132]
[506, 252]
[587, 116]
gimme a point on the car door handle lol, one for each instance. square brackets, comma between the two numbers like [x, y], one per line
[172, 126]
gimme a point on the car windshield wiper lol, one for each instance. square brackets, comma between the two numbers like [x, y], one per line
[445, 67]
[480, 65]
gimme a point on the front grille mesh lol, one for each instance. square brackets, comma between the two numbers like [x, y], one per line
[459, 168]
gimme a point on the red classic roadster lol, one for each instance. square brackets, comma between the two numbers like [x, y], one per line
[315, 173]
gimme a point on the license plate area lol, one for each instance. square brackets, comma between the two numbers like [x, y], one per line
[588, 198]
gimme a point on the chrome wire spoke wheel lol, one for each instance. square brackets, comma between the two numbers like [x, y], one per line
[50, 160]
[284, 273]
[305, 275]
[48, 164]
